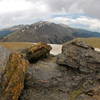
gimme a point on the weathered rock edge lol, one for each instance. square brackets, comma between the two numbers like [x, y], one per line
[79, 55]
[37, 51]
[12, 81]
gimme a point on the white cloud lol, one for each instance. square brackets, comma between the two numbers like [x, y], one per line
[14, 12]
[16, 6]
[8, 6]
[81, 22]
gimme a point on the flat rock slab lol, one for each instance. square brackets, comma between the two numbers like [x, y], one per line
[46, 80]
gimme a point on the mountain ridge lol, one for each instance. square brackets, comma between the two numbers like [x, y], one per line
[48, 32]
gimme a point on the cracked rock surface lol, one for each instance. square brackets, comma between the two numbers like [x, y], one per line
[72, 75]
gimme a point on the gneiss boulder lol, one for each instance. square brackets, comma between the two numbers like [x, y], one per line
[79, 55]
[12, 81]
[37, 51]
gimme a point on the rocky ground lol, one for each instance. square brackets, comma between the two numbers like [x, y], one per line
[35, 74]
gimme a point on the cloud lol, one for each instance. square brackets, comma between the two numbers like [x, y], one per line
[90, 7]
[83, 22]
[14, 12]
[8, 6]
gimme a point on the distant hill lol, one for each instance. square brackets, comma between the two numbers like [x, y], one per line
[7, 31]
[47, 32]
[85, 33]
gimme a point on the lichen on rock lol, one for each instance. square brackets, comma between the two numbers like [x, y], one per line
[12, 81]
[73, 75]
[37, 51]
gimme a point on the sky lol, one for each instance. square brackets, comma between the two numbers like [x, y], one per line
[76, 13]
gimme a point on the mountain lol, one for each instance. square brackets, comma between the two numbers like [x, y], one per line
[86, 33]
[7, 31]
[47, 32]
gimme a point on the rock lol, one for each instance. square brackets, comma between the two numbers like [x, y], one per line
[79, 55]
[37, 51]
[46, 80]
[53, 77]
[4, 56]
[12, 81]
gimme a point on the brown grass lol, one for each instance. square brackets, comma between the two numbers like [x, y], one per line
[95, 42]
[16, 45]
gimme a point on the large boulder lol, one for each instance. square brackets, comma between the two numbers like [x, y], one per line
[12, 81]
[37, 51]
[81, 56]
